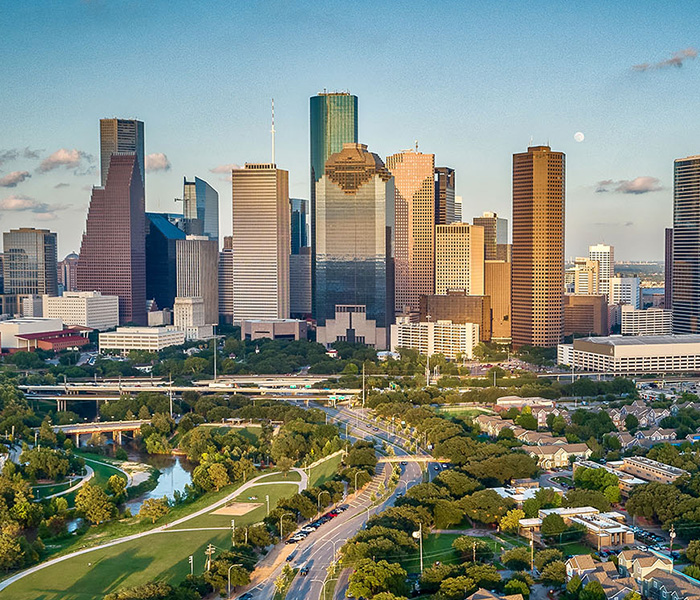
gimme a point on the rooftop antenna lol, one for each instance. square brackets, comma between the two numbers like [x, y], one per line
[531, 141]
[416, 145]
[272, 131]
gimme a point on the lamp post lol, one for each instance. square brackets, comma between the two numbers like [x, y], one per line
[672, 535]
[233, 532]
[229, 578]
[282, 517]
[319, 498]
[356, 474]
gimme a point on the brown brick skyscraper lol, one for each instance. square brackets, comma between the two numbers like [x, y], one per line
[113, 250]
[538, 247]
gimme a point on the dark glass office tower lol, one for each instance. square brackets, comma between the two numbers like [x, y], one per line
[685, 288]
[333, 122]
[161, 266]
[299, 219]
[30, 262]
[354, 236]
[121, 135]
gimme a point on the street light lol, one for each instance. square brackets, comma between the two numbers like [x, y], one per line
[319, 498]
[356, 474]
[282, 517]
[229, 577]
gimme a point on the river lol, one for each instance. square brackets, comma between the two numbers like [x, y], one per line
[175, 474]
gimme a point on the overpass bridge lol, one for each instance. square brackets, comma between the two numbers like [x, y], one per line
[116, 428]
[413, 458]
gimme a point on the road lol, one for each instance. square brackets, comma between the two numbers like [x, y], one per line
[321, 548]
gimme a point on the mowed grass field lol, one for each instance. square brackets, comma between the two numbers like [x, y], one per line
[162, 556]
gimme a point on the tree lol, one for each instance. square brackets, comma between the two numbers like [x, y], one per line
[592, 591]
[447, 513]
[472, 548]
[116, 486]
[553, 525]
[154, 508]
[573, 587]
[388, 596]
[10, 551]
[634, 596]
[517, 586]
[554, 573]
[631, 423]
[370, 578]
[693, 552]
[218, 476]
[92, 502]
[544, 557]
[510, 522]
[456, 588]
[516, 558]
[285, 464]
[144, 413]
[46, 434]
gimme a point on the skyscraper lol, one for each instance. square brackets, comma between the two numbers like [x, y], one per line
[30, 262]
[685, 285]
[198, 273]
[261, 242]
[668, 269]
[538, 247]
[161, 259]
[414, 233]
[113, 250]
[354, 239]
[495, 235]
[226, 281]
[68, 273]
[299, 223]
[300, 260]
[200, 209]
[445, 196]
[605, 255]
[121, 135]
[459, 258]
[333, 122]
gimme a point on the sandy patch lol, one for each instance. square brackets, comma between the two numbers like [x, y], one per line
[237, 509]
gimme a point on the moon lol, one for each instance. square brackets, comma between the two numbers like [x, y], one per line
[579, 137]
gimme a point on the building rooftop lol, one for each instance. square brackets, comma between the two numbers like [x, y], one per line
[645, 340]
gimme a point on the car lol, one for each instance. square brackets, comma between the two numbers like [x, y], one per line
[246, 596]
[436, 467]
[291, 541]
[308, 529]
[291, 557]
[304, 571]
[404, 463]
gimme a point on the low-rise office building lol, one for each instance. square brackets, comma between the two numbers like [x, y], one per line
[651, 470]
[626, 481]
[652, 321]
[630, 355]
[151, 339]
[450, 339]
[274, 329]
[12, 328]
[88, 309]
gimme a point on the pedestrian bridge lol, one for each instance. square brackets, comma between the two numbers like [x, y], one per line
[116, 428]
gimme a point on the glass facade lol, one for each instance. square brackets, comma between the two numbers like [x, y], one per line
[300, 227]
[30, 263]
[686, 246]
[354, 236]
[333, 122]
[161, 247]
[201, 209]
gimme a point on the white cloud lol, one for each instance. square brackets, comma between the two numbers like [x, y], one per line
[70, 159]
[637, 186]
[157, 162]
[225, 168]
[12, 179]
[676, 60]
[41, 210]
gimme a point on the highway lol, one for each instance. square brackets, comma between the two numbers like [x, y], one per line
[322, 547]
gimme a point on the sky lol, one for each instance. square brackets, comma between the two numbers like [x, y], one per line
[471, 82]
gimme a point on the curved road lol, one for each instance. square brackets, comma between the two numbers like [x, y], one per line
[163, 528]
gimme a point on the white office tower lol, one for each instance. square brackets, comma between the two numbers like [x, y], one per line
[605, 255]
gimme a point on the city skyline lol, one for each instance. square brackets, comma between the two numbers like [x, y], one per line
[545, 96]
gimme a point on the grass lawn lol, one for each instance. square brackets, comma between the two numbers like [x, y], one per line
[574, 548]
[436, 546]
[460, 411]
[41, 491]
[291, 476]
[162, 555]
[325, 471]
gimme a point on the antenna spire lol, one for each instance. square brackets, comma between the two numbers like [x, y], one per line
[272, 131]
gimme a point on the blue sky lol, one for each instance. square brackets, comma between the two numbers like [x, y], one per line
[473, 82]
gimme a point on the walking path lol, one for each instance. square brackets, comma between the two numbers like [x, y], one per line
[90, 473]
[163, 528]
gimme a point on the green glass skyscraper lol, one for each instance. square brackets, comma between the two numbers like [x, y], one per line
[333, 121]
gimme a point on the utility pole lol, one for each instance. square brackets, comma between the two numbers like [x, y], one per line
[267, 500]
[420, 534]
[474, 551]
[532, 551]
[191, 565]
[672, 534]
[233, 531]
[216, 347]
[209, 552]
[170, 393]
[363, 384]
